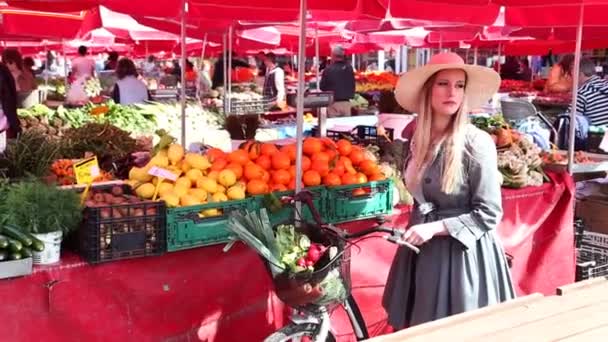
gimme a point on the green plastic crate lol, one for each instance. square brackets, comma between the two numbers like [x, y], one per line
[343, 206]
[186, 229]
[286, 213]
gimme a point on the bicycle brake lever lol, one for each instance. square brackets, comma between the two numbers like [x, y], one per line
[400, 242]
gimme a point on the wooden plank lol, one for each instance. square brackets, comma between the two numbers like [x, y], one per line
[595, 334]
[555, 327]
[461, 318]
[582, 285]
[477, 323]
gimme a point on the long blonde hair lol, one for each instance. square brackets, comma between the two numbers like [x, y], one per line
[453, 141]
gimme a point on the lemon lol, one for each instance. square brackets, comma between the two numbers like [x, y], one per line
[175, 153]
[220, 189]
[188, 200]
[164, 188]
[213, 175]
[171, 199]
[207, 184]
[140, 174]
[145, 191]
[198, 161]
[180, 190]
[160, 161]
[183, 182]
[227, 178]
[236, 193]
[200, 194]
[219, 197]
[194, 175]
[211, 212]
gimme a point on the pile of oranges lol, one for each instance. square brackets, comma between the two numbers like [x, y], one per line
[263, 167]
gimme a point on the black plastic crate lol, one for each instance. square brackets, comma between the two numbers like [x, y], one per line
[591, 255]
[123, 231]
[366, 135]
[593, 143]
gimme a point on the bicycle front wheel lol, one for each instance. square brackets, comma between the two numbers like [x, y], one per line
[298, 332]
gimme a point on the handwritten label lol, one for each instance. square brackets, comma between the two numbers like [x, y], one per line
[162, 173]
[86, 170]
[604, 143]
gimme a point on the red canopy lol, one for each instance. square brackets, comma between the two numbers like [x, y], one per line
[26, 23]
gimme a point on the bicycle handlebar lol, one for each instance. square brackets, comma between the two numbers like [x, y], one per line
[394, 237]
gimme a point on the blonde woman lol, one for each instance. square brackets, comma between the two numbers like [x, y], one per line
[452, 173]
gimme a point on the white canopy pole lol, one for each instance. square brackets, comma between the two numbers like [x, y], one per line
[228, 80]
[575, 75]
[318, 58]
[225, 65]
[300, 98]
[182, 95]
[203, 49]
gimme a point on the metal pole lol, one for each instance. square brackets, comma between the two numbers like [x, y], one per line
[575, 75]
[475, 55]
[317, 53]
[203, 49]
[65, 64]
[225, 65]
[182, 95]
[229, 71]
[300, 99]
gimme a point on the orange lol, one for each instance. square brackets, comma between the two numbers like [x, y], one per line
[236, 168]
[312, 146]
[253, 150]
[339, 168]
[290, 150]
[356, 157]
[311, 178]
[268, 149]
[321, 156]
[348, 179]
[368, 167]
[254, 171]
[305, 163]
[219, 164]
[344, 147]
[292, 171]
[376, 177]
[239, 157]
[213, 174]
[361, 178]
[359, 192]
[332, 180]
[281, 161]
[320, 167]
[348, 165]
[281, 177]
[214, 154]
[264, 161]
[292, 184]
[257, 187]
[278, 187]
[266, 176]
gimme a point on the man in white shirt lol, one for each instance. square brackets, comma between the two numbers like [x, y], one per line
[83, 66]
[274, 84]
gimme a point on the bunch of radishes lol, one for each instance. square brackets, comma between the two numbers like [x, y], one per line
[314, 254]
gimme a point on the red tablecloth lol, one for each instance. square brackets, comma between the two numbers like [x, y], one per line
[166, 298]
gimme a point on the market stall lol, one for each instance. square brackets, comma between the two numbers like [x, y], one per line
[231, 293]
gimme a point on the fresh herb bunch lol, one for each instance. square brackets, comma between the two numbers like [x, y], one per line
[31, 155]
[39, 208]
[110, 144]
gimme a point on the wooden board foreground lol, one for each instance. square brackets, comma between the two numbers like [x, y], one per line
[577, 312]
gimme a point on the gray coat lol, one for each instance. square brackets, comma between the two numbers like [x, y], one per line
[467, 269]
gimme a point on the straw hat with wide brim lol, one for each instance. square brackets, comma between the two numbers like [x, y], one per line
[482, 82]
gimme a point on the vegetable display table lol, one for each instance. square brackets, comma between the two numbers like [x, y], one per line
[166, 298]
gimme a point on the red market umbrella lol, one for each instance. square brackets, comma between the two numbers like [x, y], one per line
[38, 24]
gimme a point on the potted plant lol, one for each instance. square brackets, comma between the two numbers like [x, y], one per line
[48, 213]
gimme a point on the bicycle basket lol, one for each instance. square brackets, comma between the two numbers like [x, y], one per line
[327, 286]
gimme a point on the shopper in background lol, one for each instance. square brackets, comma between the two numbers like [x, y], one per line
[510, 69]
[274, 84]
[83, 66]
[218, 70]
[560, 77]
[339, 77]
[112, 61]
[525, 73]
[451, 173]
[592, 101]
[128, 88]
[10, 126]
[291, 75]
[24, 81]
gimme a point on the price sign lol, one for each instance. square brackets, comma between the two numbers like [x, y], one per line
[86, 170]
[162, 173]
[604, 143]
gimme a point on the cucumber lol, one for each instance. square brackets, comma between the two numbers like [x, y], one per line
[3, 241]
[26, 252]
[16, 233]
[14, 245]
[16, 256]
[3, 255]
[37, 245]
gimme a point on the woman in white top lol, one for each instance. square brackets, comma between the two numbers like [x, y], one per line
[83, 66]
[128, 88]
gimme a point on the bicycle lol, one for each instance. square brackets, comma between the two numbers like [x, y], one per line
[313, 321]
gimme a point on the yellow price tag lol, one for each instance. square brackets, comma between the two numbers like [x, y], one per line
[86, 170]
